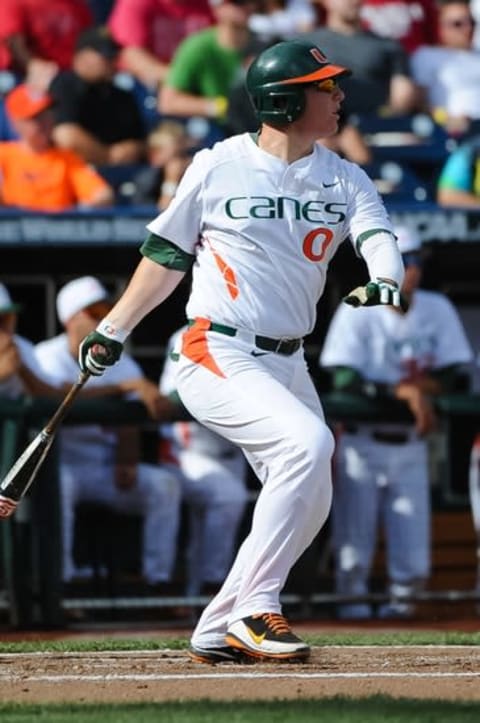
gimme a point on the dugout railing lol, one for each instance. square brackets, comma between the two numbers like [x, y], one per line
[31, 590]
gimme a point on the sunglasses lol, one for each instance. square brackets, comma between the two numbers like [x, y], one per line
[329, 85]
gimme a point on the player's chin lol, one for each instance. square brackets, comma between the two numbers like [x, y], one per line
[331, 128]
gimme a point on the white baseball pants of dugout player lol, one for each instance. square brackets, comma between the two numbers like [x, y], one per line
[380, 484]
[155, 496]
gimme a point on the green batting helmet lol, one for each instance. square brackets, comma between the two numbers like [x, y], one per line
[276, 79]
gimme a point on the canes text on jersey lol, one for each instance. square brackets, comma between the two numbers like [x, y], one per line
[279, 207]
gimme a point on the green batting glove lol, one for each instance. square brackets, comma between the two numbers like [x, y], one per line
[375, 293]
[97, 352]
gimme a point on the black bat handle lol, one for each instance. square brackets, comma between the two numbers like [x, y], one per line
[59, 415]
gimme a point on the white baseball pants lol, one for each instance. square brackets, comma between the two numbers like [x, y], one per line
[267, 405]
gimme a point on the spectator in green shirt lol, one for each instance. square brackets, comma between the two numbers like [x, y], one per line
[206, 64]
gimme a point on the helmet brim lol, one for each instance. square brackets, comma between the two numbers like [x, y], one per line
[328, 71]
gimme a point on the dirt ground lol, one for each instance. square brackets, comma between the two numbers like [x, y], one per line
[437, 672]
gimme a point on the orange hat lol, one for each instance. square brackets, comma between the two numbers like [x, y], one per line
[25, 102]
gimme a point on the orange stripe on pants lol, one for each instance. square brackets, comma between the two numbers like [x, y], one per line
[195, 347]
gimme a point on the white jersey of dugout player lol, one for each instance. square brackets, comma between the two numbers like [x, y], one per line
[338, 200]
[214, 487]
[94, 442]
[87, 458]
[386, 347]
[382, 469]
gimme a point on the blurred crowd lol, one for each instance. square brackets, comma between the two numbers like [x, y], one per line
[134, 87]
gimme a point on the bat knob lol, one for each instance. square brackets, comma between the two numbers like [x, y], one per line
[7, 507]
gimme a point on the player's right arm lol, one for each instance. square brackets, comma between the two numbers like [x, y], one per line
[169, 253]
[150, 284]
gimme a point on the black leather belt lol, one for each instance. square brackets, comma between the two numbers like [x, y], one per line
[279, 346]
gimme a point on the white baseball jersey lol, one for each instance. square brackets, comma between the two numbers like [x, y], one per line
[245, 226]
[87, 440]
[387, 347]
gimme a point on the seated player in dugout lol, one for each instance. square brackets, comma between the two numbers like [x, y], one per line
[103, 463]
[259, 218]
[381, 466]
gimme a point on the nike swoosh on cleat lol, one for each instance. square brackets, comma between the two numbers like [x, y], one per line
[258, 353]
[329, 185]
[257, 639]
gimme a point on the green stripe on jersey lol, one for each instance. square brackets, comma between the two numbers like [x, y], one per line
[367, 234]
[165, 253]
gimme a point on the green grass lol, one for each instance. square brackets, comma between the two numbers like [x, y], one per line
[379, 709]
[346, 638]
[375, 709]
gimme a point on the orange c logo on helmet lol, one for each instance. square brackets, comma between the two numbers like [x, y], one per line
[318, 55]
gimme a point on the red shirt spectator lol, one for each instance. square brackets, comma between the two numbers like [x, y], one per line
[155, 27]
[411, 22]
[40, 29]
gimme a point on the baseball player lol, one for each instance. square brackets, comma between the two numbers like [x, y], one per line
[259, 217]
[382, 469]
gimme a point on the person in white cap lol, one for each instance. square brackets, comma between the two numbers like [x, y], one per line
[382, 469]
[20, 372]
[100, 463]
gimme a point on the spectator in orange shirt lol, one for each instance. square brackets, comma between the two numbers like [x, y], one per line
[37, 37]
[36, 175]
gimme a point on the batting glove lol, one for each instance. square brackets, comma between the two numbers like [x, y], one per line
[97, 352]
[375, 293]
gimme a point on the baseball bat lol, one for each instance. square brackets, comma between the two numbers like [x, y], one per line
[21, 475]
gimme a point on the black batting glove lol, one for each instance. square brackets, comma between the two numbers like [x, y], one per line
[97, 352]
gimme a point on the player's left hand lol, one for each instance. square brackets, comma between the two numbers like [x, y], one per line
[377, 292]
[97, 352]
